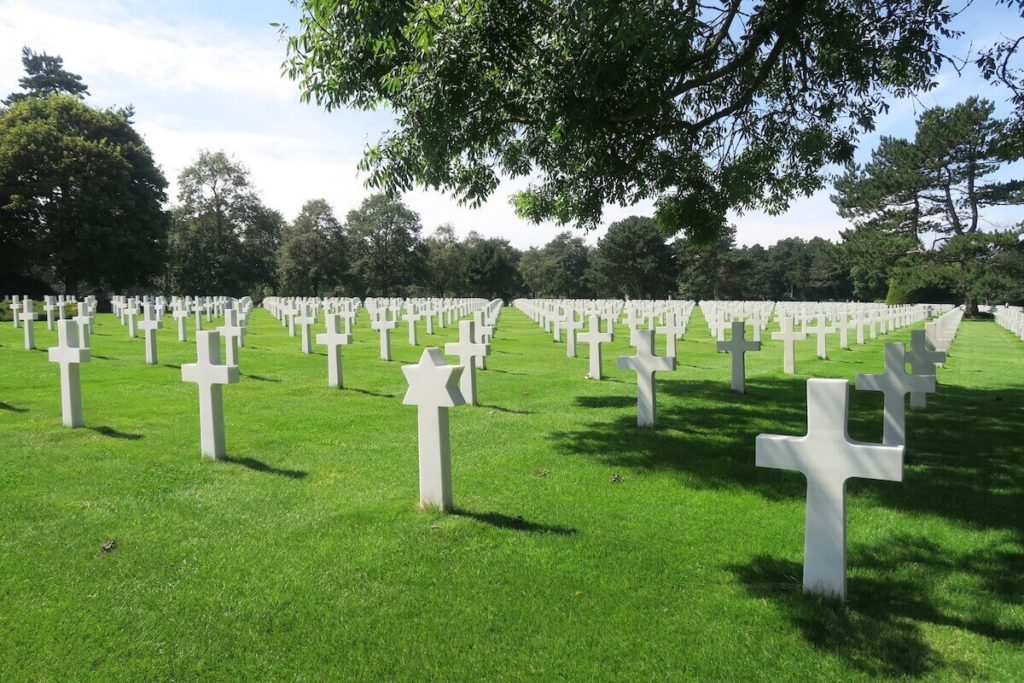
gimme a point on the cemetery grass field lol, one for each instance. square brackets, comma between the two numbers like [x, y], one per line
[582, 548]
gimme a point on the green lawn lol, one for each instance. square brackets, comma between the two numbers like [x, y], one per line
[582, 548]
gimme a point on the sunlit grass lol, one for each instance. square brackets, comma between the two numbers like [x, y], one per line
[582, 547]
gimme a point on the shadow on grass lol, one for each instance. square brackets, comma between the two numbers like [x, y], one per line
[367, 392]
[261, 378]
[505, 372]
[12, 409]
[506, 410]
[112, 433]
[517, 523]
[898, 586]
[173, 366]
[963, 460]
[99, 357]
[605, 401]
[259, 466]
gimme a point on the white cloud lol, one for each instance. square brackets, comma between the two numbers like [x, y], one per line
[198, 82]
[113, 49]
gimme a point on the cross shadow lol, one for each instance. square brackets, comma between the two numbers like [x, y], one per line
[506, 410]
[12, 409]
[172, 365]
[899, 585]
[260, 378]
[367, 392]
[115, 434]
[259, 466]
[505, 372]
[605, 401]
[517, 523]
[709, 440]
[99, 357]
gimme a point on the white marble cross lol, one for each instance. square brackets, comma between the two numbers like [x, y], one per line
[467, 350]
[923, 359]
[895, 384]
[433, 389]
[231, 332]
[305, 321]
[149, 325]
[197, 309]
[843, 324]
[131, 311]
[383, 325]
[738, 347]
[334, 339]
[210, 375]
[595, 337]
[821, 330]
[84, 321]
[49, 307]
[827, 458]
[571, 327]
[70, 355]
[28, 318]
[672, 331]
[412, 316]
[181, 316]
[645, 363]
[16, 311]
[787, 336]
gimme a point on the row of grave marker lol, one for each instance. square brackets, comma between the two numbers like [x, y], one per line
[825, 454]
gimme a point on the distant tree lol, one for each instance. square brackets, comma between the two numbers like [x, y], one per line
[312, 259]
[708, 269]
[491, 269]
[445, 256]
[384, 238]
[789, 266]
[561, 268]
[873, 254]
[700, 106]
[536, 269]
[937, 184]
[80, 196]
[45, 76]
[828, 276]
[633, 260]
[223, 239]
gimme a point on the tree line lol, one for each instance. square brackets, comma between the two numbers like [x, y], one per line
[82, 208]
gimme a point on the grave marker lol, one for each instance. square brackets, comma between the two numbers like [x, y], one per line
[70, 356]
[645, 363]
[334, 339]
[595, 337]
[827, 458]
[738, 347]
[895, 384]
[467, 350]
[433, 389]
[210, 375]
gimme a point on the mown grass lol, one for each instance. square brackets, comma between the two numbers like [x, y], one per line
[582, 548]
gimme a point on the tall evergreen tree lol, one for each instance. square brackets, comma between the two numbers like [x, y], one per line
[45, 76]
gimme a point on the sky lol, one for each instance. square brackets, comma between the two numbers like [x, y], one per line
[207, 75]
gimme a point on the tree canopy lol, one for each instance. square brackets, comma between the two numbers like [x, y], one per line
[80, 197]
[702, 107]
[222, 238]
[933, 189]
